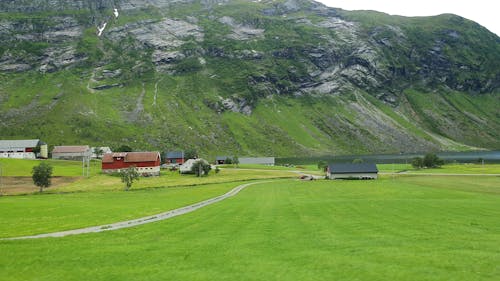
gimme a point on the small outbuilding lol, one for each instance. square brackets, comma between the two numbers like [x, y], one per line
[174, 157]
[220, 160]
[146, 163]
[23, 149]
[71, 152]
[360, 171]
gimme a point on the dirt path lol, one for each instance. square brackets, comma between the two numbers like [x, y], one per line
[143, 220]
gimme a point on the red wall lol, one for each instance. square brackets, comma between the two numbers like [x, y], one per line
[176, 160]
[120, 164]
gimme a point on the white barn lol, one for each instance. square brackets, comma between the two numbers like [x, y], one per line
[23, 149]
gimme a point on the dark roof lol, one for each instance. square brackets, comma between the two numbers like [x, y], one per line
[352, 168]
[175, 154]
[217, 158]
[131, 157]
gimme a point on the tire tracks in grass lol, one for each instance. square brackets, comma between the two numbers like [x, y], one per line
[143, 220]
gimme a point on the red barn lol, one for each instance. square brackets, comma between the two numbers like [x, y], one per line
[146, 163]
[175, 157]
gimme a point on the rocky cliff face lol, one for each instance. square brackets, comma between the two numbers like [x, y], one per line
[249, 52]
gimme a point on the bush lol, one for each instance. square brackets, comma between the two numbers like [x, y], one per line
[42, 175]
[417, 162]
[128, 176]
[432, 161]
[322, 165]
[201, 168]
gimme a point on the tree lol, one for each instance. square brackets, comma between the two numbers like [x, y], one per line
[128, 176]
[201, 167]
[228, 160]
[431, 160]
[98, 152]
[123, 148]
[36, 150]
[191, 154]
[236, 161]
[322, 165]
[42, 175]
[357, 161]
[417, 162]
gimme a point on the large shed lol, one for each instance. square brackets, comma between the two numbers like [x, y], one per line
[269, 161]
[72, 152]
[23, 149]
[146, 163]
[352, 171]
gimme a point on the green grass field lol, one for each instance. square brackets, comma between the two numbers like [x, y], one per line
[401, 228]
[23, 167]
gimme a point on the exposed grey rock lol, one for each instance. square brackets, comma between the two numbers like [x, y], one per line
[235, 104]
[108, 86]
[166, 57]
[59, 57]
[240, 31]
[111, 73]
[167, 34]
[19, 67]
[66, 28]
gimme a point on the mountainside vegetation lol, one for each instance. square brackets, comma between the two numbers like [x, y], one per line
[242, 77]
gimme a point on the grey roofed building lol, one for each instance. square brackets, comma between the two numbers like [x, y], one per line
[71, 152]
[22, 148]
[174, 157]
[257, 160]
[352, 171]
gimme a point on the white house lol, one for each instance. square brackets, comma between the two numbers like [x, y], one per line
[188, 165]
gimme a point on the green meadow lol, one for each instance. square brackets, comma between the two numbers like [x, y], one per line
[405, 227]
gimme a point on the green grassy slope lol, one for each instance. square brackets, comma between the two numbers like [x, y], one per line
[408, 228]
[442, 72]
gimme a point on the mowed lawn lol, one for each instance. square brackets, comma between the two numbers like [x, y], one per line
[402, 228]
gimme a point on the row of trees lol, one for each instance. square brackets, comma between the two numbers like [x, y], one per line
[430, 160]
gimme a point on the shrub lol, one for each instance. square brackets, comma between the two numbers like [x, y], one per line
[417, 162]
[42, 175]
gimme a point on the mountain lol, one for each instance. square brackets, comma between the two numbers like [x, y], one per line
[264, 77]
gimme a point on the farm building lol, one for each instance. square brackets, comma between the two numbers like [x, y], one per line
[23, 149]
[257, 160]
[188, 165]
[352, 171]
[71, 152]
[220, 160]
[98, 152]
[175, 157]
[146, 163]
